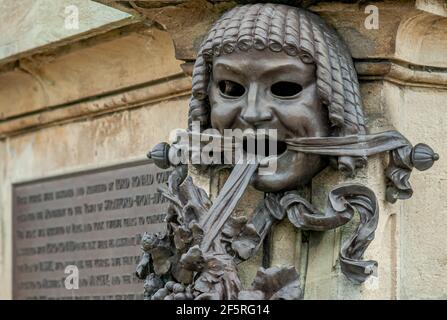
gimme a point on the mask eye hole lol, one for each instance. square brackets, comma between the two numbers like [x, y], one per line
[286, 89]
[231, 89]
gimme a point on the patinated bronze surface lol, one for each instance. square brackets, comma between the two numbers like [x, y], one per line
[269, 66]
[272, 85]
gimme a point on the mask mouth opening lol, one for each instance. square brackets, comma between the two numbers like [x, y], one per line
[263, 146]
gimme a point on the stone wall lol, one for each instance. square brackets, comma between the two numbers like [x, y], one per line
[95, 102]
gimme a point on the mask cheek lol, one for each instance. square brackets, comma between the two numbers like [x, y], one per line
[223, 115]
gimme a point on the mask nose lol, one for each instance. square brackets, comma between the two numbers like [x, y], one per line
[256, 110]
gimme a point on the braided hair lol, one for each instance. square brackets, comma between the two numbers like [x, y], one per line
[298, 33]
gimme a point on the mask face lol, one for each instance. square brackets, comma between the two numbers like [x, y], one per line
[270, 90]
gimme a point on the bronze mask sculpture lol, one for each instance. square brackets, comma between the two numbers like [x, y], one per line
[269, 66]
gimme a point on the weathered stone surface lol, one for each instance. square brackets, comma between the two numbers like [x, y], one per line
[113, 138]
[97, 71]
[5, 229]
[34, 24]
[422, 256]
[413, 31]
[409, 244]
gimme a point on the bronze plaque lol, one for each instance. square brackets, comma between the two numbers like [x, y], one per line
[92, 220]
